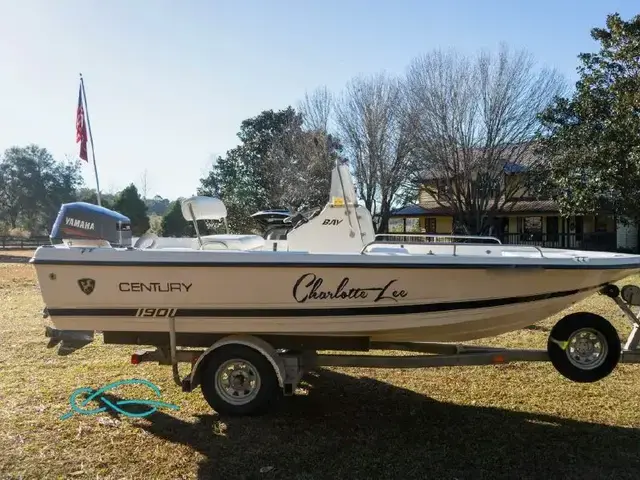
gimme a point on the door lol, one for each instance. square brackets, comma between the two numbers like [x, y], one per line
[553, 228]
[579, 229]
[430, 225]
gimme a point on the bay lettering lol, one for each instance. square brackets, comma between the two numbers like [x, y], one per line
[331, 221]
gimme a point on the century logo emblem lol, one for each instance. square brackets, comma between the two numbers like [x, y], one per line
[87, 285]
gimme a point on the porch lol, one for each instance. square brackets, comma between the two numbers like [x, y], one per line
[542, 229]
[588, 232]
[602, 241]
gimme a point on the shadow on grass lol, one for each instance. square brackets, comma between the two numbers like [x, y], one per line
[362, 428]
[538, 328]
[14, 258]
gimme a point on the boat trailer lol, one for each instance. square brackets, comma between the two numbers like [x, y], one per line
[246, 374]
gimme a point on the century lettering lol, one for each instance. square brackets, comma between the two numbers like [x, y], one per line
[137, 287]
[310, 287]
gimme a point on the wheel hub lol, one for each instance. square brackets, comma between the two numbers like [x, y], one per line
[237, 381]
[587, 349]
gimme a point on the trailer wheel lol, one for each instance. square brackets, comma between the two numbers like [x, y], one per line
[239, 380]
[584, 347]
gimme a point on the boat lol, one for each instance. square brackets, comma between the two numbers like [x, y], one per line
[319, 280]
[331, 275]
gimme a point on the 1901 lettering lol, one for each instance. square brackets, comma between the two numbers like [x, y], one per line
[308, 287]
[156, 312]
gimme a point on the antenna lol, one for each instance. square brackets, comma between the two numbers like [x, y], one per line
[346, 202]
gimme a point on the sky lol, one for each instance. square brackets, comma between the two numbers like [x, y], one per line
[168, 83]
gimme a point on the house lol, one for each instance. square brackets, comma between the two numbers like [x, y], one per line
[524, 220]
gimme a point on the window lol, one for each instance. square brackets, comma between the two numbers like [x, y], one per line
[504, 222]
[412, 225]
[488, 185]
[530, 224]
[600, 223]
[530, 228]
[443, 189]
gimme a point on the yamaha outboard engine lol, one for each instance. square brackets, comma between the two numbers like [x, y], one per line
[82, 224]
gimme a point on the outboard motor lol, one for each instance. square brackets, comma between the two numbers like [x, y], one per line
[82, 224]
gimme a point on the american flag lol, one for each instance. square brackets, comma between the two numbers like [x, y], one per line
[81, 128]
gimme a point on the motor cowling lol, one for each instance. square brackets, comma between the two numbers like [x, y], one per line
[86, 224]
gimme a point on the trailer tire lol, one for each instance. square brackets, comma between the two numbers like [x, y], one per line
[230, 395]
[597, 334]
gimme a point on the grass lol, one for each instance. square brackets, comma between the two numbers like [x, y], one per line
[513, 421]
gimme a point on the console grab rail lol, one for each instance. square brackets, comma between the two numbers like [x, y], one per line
[493, 240]
[436, 235]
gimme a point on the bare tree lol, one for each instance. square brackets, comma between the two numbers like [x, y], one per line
[301, 162]
[475, 121]
[317, 109]
[371, 121]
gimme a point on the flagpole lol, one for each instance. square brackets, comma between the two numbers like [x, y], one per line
[93, 152]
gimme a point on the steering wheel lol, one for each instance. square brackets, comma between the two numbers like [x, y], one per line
[301, 217]
[149, 240]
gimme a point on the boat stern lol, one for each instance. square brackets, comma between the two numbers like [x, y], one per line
[67, 341]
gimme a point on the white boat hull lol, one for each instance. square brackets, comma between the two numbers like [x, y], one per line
[383, 297]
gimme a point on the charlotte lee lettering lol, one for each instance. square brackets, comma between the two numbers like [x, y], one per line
[137, 287]
[309, 287]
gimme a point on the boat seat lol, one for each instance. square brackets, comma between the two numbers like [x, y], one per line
[232, 242]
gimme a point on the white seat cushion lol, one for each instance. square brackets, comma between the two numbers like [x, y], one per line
[232, 242]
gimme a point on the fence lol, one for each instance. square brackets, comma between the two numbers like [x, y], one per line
[604, 241]
[21, 243]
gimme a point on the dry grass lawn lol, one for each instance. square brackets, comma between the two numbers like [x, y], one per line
[512, 421]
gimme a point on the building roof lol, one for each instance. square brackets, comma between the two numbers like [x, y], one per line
[521, 206]
[515, 158]
[531, 206]
[411, 210]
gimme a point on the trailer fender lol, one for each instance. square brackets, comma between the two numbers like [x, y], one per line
[250, 341]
